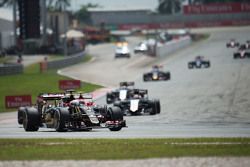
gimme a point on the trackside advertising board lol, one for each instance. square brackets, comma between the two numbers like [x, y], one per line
[69, 84]
[17, 101]
[217, 8]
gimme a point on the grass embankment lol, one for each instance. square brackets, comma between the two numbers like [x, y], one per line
[32, 82]
[82, 149]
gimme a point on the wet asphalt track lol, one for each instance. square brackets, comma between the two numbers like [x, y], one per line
[212, 102]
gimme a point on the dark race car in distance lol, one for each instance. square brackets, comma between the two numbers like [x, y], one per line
[156, 74]
[52, 112]
[199, 62]
[232, 44]
[139, 104]
[121, 93]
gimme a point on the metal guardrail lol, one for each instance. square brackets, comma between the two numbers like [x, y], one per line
[10, 69]
[70, 60]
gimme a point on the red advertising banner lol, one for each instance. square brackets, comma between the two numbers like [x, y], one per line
[195, 24]
[217, 8]
[69, 84]
[17, 101]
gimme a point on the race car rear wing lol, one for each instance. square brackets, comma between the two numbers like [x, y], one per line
[50, 96]
[127, 84]
[140, 91]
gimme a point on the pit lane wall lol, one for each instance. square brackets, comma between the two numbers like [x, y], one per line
[9, 69]
[170, 47]
[70, 60]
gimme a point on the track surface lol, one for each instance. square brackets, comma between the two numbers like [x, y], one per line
[212, 102]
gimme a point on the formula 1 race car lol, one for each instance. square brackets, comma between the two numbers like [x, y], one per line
[121, 93]
[242, 52]
[141, 48]
[156, 74]
[139, 104]
[122, 50]
[232, 44]
[52, 111]
[199, 62]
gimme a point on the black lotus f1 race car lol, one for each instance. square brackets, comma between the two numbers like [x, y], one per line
[232, 44]
[156, 74]
[121, 93]
[199, 62]
[53, 111]
[139, 104]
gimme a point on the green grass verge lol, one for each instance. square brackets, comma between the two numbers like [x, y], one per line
[85, 149]
[5, 59]
[33, 82]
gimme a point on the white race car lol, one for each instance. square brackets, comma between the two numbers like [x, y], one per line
[141, 48]
[122, 51]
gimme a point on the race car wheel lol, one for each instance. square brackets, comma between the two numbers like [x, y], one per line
[118, 128]
[109, 98]
[61, 116]
[103, 110]
[153, 108]
[167, 76]
[20, 114]
[207, 65]
[145, 78]
[190, 66]
[115, 114]
[31, 119]
[158, 106]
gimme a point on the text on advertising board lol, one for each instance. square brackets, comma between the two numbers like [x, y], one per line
[17, 101]
[69, 84]
[217, 8]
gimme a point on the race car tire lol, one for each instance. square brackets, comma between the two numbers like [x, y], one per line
[154, 108]
[31, 119]
[207, 64]
[167, 76]
[145, 78]
[103, 110]
[190, 66]
[109, 98]
[248, 55]
[61, 116]
[115, 113]
[235, 56]
[158, 106]
[20, 113]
